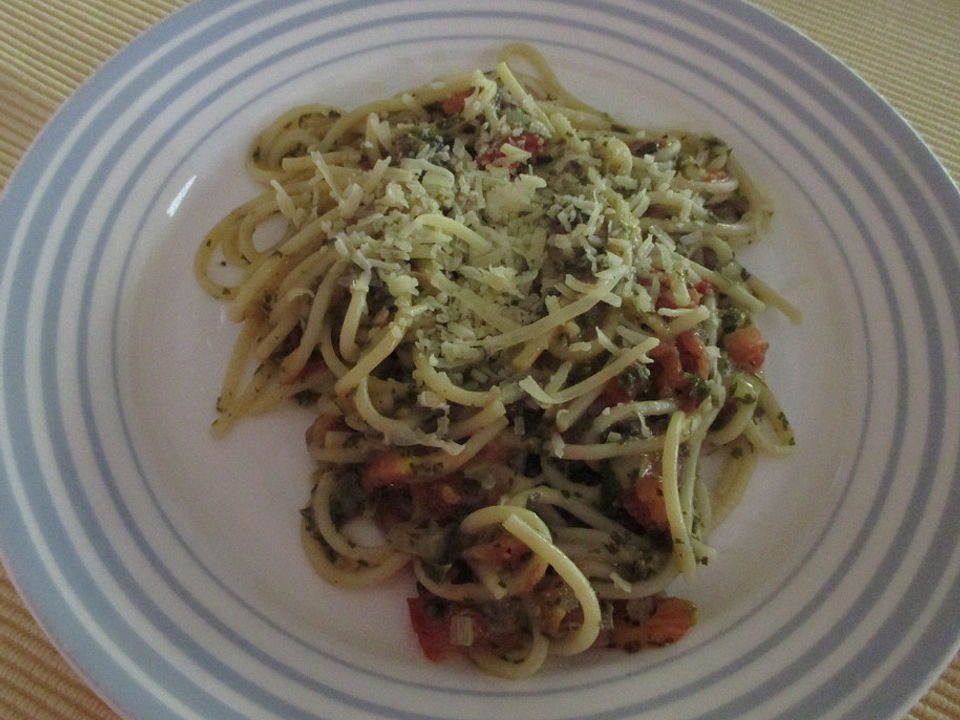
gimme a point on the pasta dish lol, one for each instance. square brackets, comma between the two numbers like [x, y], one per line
[529, 347]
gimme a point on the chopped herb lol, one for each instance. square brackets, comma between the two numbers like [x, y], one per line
[306, 398]
[647, 148]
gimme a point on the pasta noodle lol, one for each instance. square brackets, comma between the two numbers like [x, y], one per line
[522, 326]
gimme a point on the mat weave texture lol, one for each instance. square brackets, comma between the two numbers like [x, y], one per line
[908, 51]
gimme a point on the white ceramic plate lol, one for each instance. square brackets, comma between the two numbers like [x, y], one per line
[166, 565]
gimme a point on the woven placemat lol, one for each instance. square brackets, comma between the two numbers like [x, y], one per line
[909, 51]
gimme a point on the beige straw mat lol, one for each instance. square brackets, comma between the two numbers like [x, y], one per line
[909, 50]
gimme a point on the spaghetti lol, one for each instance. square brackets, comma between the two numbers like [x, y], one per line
[522, 326]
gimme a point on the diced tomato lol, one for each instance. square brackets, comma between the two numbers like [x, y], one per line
[430, 622]
[667, 372]
[506, 551]
[643, 500]
[436, 498]
[673, 361]
[693, 354]
[448, 497]
[666, 298]
[456, 102]
[488, 157]
[669, 620]
[705, 287]
[558, 609]
[746, 348]
[530, 142]
[613, 393]
[506, 554]
[390, 468]
[493, 453]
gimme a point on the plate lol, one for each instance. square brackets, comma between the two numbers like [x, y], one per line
[166, 565]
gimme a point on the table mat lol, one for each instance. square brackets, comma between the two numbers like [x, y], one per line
[908, 51]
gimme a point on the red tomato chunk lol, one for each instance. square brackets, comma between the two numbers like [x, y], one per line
[746, 348]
